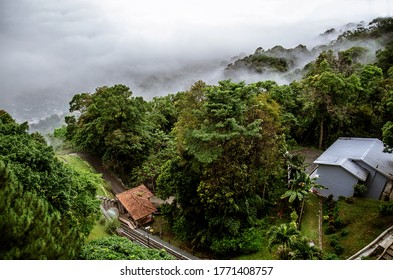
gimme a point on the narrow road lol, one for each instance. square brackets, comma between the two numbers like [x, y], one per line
[116, 184]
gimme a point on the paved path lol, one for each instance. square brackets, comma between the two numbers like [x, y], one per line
[116, 184]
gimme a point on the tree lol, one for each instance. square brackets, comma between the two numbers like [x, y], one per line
[283, 234]
[341, 98]
[328, 97]
[386, 111]
[385, 58]
[162, 115]
[47, 208]
[113, 126]
[230, 149]
[291, 245]
[299, 188]
[29, 229]
[303, 249]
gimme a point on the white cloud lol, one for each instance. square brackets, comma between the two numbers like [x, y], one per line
[68, 46]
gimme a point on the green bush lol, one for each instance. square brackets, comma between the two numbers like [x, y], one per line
[225, 247]
[386, 209]
[334, 241]
[331, 256]
[250, 241]
[338, 249]
[102, 220]
[344, 232]
[360, 189]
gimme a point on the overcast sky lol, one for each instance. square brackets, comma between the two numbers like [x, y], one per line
[62, 47]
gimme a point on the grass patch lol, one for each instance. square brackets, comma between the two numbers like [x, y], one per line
[77, 163]
[310, 219]
[364, 225]
[82, 166]
[98, 231]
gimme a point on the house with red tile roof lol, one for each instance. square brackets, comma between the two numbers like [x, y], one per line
[136, 204]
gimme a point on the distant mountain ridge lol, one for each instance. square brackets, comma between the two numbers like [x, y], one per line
[291, 62]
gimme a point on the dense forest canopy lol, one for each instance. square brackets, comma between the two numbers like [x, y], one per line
[47, 209]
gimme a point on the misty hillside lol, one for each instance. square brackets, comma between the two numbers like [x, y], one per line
[285, 65]
[282, 65]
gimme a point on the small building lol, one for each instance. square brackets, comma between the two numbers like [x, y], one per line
[350, 161]
[136, 203]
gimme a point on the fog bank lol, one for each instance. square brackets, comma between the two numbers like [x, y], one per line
[52, 50]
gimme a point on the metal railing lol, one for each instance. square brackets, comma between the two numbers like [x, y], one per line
[148, 242]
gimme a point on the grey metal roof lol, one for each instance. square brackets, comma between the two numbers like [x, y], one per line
[354, 168]
[346, 152]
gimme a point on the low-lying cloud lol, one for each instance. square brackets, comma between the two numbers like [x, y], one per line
[51, 50]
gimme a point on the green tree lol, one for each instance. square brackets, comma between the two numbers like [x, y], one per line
[385, 58]
[291, 245]
[386, 111]
[30, 230]
[113, 126]
[162, 115]
[299, 188]
[43, 199]
[328, 97]
[283, 234]
[229, 145]
[303, 249]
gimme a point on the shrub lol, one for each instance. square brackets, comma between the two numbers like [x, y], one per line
[102, 220]
[225, 246]
[360, 189]
[338, 223]
[120, 248]
[252, 240]
[386, 209]
[331, 256]
[338, 249]
[334, 241]
[344, 232]
[330, 229]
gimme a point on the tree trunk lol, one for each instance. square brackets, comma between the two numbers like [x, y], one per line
[321, 128]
